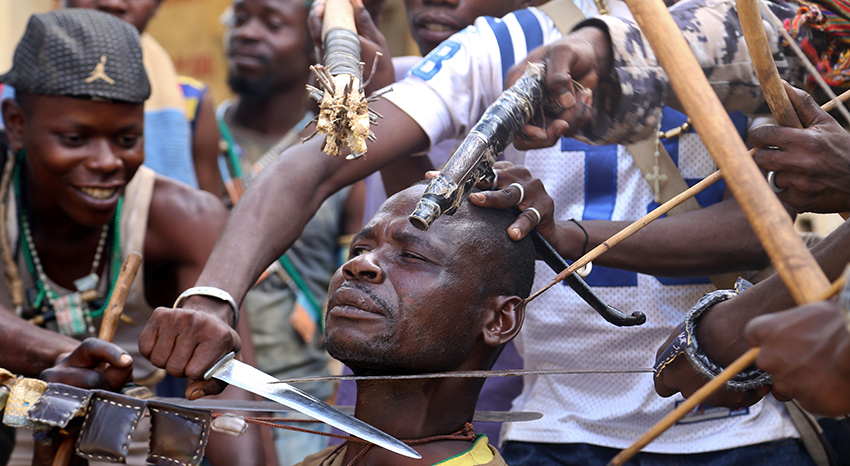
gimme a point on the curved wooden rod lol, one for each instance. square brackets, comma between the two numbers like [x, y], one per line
[772, 225]
[769, 220]
[765, 68]
[638, 224]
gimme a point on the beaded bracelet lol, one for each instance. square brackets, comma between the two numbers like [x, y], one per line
[686, 343]
[748, 379]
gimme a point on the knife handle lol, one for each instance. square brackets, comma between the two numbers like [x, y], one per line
[218, 365]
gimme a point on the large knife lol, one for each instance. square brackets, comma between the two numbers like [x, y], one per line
[249, 378]
[289, 414]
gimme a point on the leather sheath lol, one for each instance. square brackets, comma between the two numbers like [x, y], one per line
[178, 435]
[59, 404]
[109, 426]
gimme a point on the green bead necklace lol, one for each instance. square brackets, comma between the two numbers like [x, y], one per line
[71, 311]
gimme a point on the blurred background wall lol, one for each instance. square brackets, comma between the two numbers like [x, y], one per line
[13, 20]
[191, 32]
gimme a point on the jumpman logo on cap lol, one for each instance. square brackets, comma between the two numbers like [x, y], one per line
[99, 72]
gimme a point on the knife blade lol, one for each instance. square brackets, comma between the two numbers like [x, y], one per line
[273, 407]
[246, 377]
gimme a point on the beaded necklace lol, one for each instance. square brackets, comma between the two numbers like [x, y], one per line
[72, 311]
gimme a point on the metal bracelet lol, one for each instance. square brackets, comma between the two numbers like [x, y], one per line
[749, 379]
[210, 292]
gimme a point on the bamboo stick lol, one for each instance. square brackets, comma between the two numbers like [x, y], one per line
[112, 314]
[763, 64]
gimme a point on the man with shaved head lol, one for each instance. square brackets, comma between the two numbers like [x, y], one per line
[409, 302]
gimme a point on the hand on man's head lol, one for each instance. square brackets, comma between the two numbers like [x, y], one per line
[583, 56]
[530, 194]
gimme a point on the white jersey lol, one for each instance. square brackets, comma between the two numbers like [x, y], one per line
[446, 93]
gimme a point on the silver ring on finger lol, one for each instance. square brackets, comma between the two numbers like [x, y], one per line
[771, 180]
[521, 194]
[536, 214]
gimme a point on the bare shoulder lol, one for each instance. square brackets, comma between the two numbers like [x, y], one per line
[182, 217]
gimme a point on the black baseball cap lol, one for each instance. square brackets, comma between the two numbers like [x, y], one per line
[79, 52]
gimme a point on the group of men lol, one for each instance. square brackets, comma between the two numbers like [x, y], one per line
[447, 299]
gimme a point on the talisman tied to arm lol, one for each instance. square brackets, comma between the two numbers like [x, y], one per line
[344, 116]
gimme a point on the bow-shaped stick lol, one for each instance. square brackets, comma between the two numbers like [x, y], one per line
[793, 261]
[638, 224]
[749, 14]
[763, 64]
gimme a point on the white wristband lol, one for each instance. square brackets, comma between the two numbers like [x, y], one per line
[211, 292]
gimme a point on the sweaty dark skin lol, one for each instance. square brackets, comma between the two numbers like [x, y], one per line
[260, 231]
[402, 304]
[74, 145]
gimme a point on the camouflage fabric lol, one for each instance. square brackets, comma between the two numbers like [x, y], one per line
[712, 30]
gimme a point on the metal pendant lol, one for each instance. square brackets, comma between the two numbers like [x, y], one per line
[89, 282]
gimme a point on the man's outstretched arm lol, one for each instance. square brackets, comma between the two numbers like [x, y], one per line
[267, 220]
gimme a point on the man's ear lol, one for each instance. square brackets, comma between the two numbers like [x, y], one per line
[504, 320]
[14, 118]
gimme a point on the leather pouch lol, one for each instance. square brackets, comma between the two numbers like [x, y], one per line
[178, 435]
[109, 426]
[59, 404]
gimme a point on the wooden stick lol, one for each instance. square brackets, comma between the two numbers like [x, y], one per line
[108, 327]
[112, 314]
[793, 261]
[763, 64]
[769, 220]
[713, 385]
[749, 14]
[744, 361]
[338, 14]
[633, 228]
[66, 450]
[638, 224]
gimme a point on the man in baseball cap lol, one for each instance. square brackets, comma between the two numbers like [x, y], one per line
[79, 54]
[79, 201]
